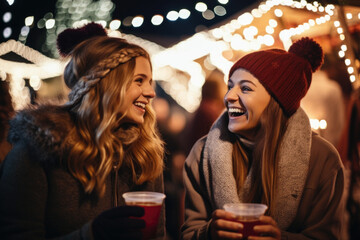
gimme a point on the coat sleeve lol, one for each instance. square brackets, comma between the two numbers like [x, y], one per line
[198, 209]
[23, 196]
[320, 212]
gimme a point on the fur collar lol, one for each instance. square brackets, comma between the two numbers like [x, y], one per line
[293, 166]
[43, 129]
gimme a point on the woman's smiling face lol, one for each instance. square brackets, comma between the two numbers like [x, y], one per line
[139, 94]
[245, 101]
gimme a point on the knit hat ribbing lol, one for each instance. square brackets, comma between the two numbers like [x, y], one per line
[285, 75]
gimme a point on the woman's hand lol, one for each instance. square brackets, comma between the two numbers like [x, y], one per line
[119, 223]
[223, 226]
[268, 231]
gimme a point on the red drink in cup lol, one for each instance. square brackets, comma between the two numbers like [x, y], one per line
[249, 226]
[248, 214]
[151, 202]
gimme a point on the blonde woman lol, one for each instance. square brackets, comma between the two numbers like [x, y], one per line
[262, 150]
[70, 164]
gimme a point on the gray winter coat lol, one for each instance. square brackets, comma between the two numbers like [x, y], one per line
[310, 183]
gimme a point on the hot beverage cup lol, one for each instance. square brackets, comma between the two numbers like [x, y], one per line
[151, 202]
[248, 214]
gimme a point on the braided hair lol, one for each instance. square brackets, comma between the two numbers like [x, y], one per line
[99, 72]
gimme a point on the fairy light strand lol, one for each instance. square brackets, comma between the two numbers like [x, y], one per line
[238, 34]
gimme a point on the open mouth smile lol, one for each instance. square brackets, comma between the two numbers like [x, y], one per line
[140, 105]
[236, 112]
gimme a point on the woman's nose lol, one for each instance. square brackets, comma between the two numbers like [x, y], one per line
[148, 91]
[231, 96]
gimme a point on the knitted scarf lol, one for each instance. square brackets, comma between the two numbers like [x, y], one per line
[292, 169]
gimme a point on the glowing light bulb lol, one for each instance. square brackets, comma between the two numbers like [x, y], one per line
[184, 13]
[115, 24]
[7, 17]
[347, 62]
[278, 12]
[29, 20]
[350, 70]
[172, 15]
[352, 78]
[341, 54]
[323, 124]
[137, 21]
[201, 7]
[157, 19]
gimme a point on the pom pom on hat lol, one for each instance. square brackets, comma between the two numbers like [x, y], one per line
[69, 38]
[285, 75]
[309, 50]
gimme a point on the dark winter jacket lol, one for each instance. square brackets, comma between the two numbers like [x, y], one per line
[39, 198]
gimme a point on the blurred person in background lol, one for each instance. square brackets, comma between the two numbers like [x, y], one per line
[262, 150]
[339, 73]
[210, 108]
[70, 164]
[349, 149]
[324, 101]
[6, 112]
[171, 122]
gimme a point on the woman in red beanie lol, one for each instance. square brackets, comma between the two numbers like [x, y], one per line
[262, 150]
[70, 164]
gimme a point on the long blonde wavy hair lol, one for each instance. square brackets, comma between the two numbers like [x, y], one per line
[101, 70]
[264, 158]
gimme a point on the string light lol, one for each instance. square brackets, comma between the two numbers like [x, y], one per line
[350, 70]
[49, 24]
[157, 19]
[7, 17]
[208, 14]
[347, 62]
[172, 15]
[352, 78]
[201, 7]
[227, 37]
[29, 20]
[318, 124]
[343, 49]
[137, 21]
[7, 32]
[211, 43]
[341, 54]
[220, 11]
[24, 31]
[184, 13]
[115, 24]
[42, 68]
[339, 30]
[223, 1]
[10, 2]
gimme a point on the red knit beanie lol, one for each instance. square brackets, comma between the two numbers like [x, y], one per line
[285, 75]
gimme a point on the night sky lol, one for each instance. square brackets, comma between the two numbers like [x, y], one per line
[167, 34]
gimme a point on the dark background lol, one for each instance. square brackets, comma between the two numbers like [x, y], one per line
[166, 34]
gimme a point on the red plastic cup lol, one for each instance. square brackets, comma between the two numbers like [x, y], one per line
[151, 202]
[248, 214]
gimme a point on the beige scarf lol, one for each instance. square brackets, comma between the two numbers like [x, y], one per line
[293, 167]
